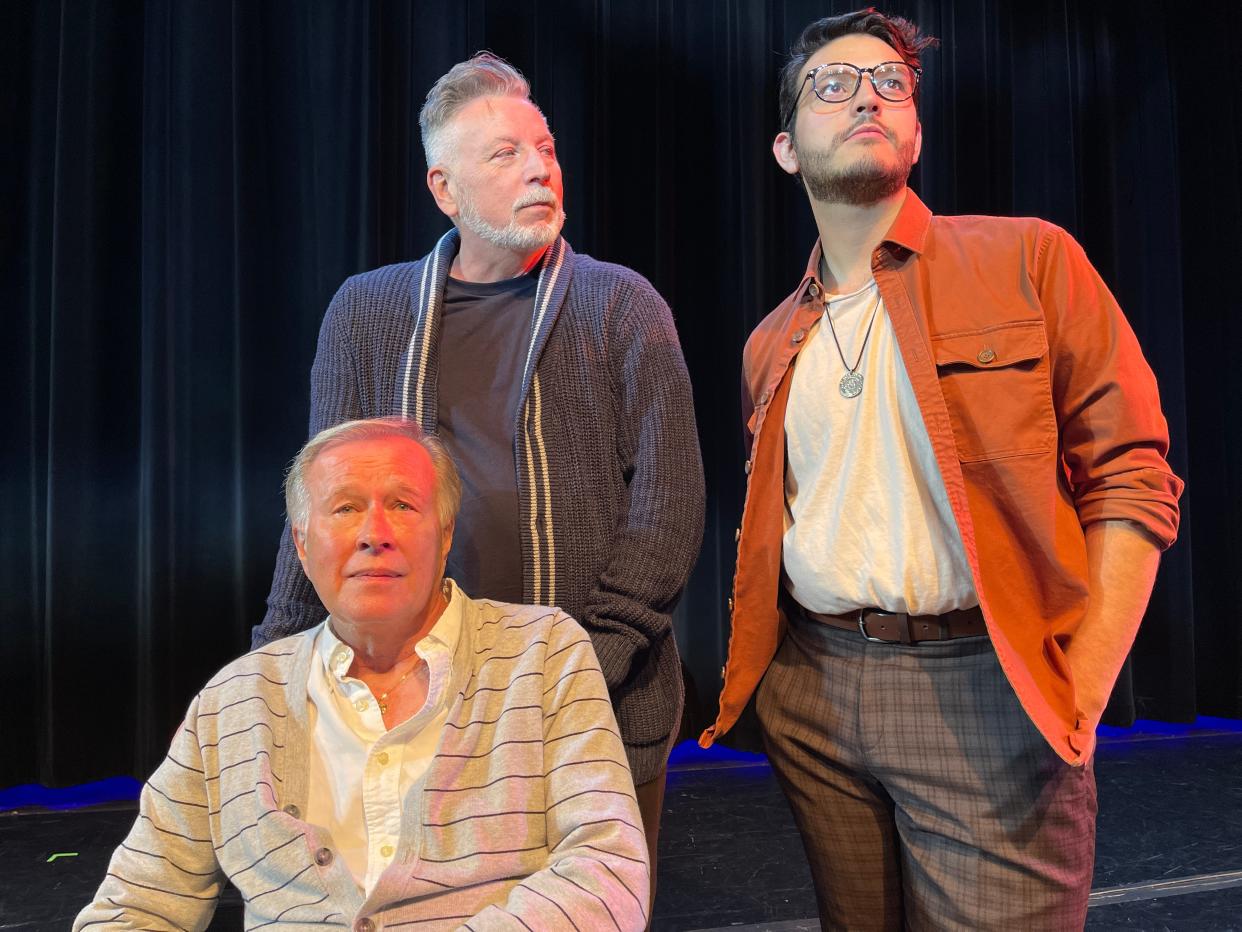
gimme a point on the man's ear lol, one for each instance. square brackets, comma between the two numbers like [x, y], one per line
[299, 542]
[918, 141]
[446, 541]
[441, 191]
[783, 151]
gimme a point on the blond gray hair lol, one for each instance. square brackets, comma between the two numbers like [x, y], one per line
[482, 75]
[448, 483]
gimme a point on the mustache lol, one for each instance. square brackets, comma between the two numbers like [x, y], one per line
[869, 122]
[536, 196]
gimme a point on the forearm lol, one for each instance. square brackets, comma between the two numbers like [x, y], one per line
[165, 874]
[1121, 568]
[630, 606]
[596, 873]
[657, 536]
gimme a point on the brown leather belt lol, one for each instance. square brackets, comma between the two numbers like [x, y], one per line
[900, 628]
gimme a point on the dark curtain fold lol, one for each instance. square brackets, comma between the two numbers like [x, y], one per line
[186, 184]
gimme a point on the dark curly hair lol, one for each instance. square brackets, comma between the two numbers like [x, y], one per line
[901, 34]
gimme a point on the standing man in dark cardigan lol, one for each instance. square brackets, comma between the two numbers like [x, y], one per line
[558, 384]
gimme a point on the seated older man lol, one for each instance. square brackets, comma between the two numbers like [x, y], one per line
[418, 759]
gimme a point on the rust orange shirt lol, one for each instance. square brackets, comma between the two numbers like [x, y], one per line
[1043, 416]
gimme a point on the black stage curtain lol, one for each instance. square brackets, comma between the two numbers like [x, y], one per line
[186, 183]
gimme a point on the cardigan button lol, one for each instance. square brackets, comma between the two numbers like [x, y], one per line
[737, 535]
[986, 355]
[730, 605]
[293, 811]
[364, 925]
[763, 399]
[814, 289]
[798, 336]
[323, 857]
[746, 467]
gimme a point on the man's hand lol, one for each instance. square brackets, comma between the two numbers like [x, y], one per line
[1121, 568]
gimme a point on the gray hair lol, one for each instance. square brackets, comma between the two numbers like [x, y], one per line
[481, 75]
[448, 483]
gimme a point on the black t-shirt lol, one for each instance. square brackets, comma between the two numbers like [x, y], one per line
[485, 331]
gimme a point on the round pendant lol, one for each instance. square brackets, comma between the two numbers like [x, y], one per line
[851, 385]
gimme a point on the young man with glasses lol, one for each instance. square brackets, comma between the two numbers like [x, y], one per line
[965, 477]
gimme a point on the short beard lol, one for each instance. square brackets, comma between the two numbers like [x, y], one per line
[868, 181]
[516, 237]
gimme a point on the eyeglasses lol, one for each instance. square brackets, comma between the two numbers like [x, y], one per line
[835, 82]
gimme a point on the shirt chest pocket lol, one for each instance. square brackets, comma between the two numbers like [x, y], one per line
[996, 386]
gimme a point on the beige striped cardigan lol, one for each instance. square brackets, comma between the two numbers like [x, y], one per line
[526, 817]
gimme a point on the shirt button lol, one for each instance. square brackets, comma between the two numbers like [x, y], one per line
[386, 851]
[292, 810]
[986, 355]
[798, 336]
[362, 705]
[323, 857]
[338, 657]
[364, 925]
[382, 758]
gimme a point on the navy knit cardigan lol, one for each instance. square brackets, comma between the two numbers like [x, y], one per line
[608, 471]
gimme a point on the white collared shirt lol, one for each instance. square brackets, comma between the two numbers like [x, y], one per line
[361, 772]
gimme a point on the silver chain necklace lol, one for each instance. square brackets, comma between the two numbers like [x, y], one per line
[851, 384]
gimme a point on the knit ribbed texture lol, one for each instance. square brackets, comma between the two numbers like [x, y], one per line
[609, 475]
[527, 809]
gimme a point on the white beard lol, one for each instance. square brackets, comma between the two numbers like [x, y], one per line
[516, 237]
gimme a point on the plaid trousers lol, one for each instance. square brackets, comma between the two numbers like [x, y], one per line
[925, 797]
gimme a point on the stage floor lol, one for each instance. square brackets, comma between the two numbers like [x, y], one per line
[1169, 849]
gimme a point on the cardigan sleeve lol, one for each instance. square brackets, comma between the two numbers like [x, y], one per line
[292, 604]
[596, 875]
[657, 539]
[164, 875]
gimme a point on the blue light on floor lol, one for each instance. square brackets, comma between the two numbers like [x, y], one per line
[1146, 728]
[686, 756]
[32, 795]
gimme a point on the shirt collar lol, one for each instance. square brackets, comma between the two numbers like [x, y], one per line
[337, 656]
[907, 234]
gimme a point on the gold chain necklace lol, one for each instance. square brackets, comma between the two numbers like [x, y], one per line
[446, 592]
[382, 699]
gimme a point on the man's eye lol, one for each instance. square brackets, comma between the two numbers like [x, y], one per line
[505, 154]
[403, 506]
[548, 151]
[345, 509]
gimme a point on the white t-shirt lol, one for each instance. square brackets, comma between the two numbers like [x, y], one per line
[867, 518]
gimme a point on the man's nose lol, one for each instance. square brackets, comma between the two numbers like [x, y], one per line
[376, 532]
[537, 168]
[867, 98]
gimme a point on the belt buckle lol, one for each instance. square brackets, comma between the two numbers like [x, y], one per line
[862, 626]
